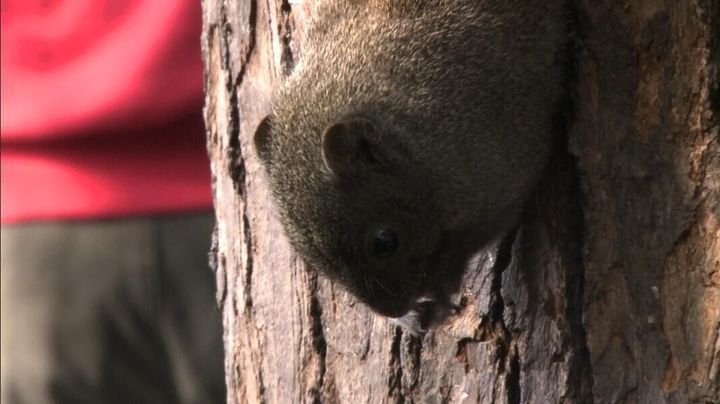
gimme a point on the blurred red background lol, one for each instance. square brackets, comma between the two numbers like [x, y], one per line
[101, 109]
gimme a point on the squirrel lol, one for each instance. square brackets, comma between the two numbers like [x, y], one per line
[411, 136]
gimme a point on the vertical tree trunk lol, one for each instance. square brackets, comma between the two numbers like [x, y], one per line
[609, 292]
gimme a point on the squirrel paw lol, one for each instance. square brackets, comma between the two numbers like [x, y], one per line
[428, 311]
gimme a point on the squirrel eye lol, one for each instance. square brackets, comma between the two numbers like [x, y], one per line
[386, 243]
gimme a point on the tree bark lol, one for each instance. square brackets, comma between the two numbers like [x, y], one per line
[609, 292]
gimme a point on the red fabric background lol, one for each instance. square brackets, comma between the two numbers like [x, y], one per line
[101, 109]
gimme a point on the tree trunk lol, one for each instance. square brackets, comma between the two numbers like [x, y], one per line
[610, 290]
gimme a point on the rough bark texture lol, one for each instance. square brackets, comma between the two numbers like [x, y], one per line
[609, 291]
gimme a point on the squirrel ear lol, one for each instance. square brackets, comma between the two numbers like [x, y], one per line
[262, 139]
[349, 145]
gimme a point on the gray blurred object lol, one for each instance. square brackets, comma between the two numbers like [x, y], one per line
[119, 311]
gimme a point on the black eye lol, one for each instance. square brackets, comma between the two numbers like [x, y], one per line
[385, 243]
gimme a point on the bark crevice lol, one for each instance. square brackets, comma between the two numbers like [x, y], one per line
[396, 368]
[507, 356]
[319, 342]
[287, 57]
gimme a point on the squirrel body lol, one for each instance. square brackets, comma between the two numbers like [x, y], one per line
[411, 135]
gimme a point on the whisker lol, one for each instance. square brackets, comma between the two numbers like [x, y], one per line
[369, 288]
[383, 287]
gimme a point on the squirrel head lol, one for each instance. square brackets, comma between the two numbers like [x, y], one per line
[354, 205]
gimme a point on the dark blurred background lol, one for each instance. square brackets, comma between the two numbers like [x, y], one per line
[106, 205]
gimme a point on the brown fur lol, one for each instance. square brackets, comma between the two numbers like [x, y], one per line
[460, 96]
